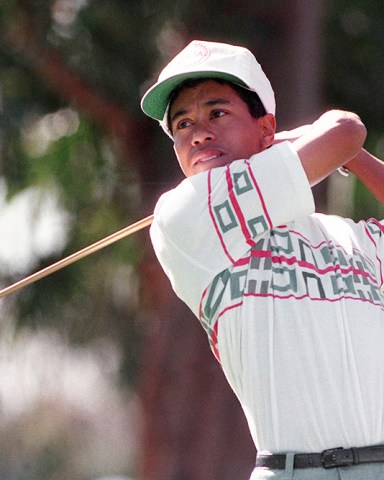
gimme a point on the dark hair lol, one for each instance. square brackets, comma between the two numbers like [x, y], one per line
[250, 98]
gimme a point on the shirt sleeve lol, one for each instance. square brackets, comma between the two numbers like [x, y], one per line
[212, 219]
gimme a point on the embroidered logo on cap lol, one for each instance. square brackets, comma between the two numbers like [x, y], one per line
[197, 52]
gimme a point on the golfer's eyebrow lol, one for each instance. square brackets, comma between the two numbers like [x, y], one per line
[209, 103]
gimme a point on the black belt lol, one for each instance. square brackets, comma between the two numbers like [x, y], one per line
[334, 457]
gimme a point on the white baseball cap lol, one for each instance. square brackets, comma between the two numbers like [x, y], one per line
[212, 60]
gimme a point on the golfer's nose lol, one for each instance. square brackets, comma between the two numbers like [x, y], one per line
[202, 133]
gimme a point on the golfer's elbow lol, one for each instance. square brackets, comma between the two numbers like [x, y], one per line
[351, 131]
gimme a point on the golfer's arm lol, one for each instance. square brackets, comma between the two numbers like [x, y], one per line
[333, 140]
[370, 170]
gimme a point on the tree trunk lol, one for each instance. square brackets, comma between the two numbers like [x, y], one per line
[193, 424]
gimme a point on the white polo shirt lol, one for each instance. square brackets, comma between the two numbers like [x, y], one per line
[292, 301]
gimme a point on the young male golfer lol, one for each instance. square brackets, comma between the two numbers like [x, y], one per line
[292, 301]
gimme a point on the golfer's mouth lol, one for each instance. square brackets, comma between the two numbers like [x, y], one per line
[207, 158]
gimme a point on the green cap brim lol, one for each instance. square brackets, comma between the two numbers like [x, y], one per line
[156, 99]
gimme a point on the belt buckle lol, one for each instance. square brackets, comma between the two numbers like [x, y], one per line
[331, 459]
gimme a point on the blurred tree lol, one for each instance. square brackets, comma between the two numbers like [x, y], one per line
[71, 77]
[353, 72]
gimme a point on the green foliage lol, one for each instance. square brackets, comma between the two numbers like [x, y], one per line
[47, 142]
[353, 77]
[355, 60]
[365, 205]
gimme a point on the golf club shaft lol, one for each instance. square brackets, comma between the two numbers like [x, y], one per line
[77, 255]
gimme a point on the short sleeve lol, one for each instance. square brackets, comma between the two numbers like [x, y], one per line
[212, 219]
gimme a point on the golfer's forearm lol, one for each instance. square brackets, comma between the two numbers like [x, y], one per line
[323, 146]
[334, 139]
[370, 170]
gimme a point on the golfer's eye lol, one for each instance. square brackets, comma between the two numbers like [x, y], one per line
[183, 124]
[218, 113]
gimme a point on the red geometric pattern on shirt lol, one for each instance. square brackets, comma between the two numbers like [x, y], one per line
[286, 265]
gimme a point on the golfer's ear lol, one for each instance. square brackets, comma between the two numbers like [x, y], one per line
[268, 123]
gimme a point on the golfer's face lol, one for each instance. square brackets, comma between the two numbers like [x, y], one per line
[212, 127]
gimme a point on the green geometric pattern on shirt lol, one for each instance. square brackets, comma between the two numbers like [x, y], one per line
[242, 183]
[227, 220]
[288, 280]
[216, 293]
[257, 225]
[225, 216]
[318, 272]
[237, 283]
[288, 247]
[374, 229]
